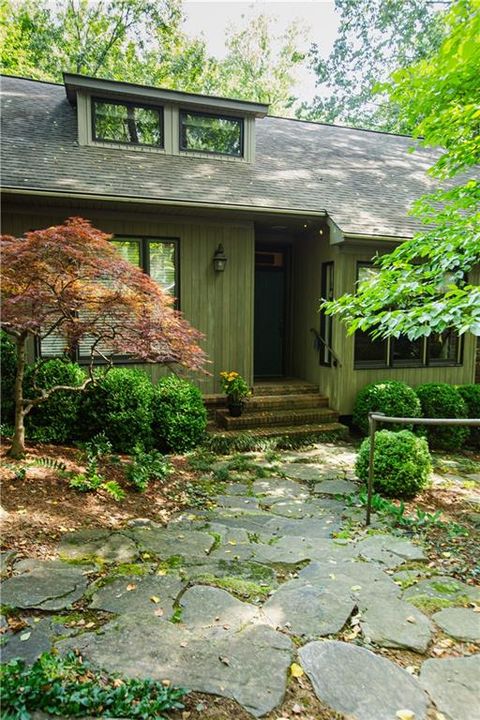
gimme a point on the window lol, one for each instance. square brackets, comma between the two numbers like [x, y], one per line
[438, 349]
[126, 123]
[326, 321]
[206, 133]
[157, 257]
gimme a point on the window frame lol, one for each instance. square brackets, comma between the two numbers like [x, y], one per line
[144, 256]
[218, 116]
[325, 356]
[424, 362]
[128, 104]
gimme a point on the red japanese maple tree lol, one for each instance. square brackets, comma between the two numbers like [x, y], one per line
[69, 280]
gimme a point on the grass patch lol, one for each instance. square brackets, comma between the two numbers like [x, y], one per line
[139, 569]
[243, 589]
[430, 605]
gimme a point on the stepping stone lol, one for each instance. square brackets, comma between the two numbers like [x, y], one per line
[443, 587]
[336, 487]
[280, 488]
[454, 686]
[360, 684]
[249, 665]
[134, 594]
[171, 542]
[204, 606]
[389, 550]
[363, 582]
[227, 534]
[250, 571]
[236, 501]
[239, 551]
[308, 472]
[30, 642]
[46, 585]
[322, 527]
[104, 545]
[293, 550]
[394, 623]
[302, 608]
[460, 623]
[238, 488]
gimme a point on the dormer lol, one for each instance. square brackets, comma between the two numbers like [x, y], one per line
[134, 117]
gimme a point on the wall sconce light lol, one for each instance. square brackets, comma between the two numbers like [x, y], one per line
[219, 259]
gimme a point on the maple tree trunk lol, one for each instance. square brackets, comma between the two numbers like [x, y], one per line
[18, 443]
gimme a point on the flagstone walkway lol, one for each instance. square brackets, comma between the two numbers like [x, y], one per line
[169, 607]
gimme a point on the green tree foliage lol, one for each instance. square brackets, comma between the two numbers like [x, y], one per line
[143, 41]
[374, 38]
[426, 285]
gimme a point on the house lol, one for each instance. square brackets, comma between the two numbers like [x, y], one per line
[247, 219]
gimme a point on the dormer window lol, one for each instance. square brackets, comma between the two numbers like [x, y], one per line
[209, 133]
[127, 123]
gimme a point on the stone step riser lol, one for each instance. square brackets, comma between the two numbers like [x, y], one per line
[288, 402]
[296, 389]
[280, 417]
[298, 432]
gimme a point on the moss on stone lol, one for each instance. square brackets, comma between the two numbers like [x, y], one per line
[430, 605]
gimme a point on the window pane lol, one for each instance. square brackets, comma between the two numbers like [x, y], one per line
[407, 352]
[443, 347]
[162, 264]
[54, 345]
[369, 351]
[211, 133]
[115, 122]
[129, 250]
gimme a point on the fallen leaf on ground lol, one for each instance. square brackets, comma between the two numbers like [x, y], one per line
[295, 670]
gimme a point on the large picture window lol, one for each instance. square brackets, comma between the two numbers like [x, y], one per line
[158, 257]
[438, 349]
[126, 123]
[207, 133]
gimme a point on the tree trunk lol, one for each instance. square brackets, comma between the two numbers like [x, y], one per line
[18, 444]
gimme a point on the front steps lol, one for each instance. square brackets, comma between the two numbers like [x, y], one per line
[289, 409]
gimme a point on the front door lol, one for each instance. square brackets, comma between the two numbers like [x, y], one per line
[269, 313]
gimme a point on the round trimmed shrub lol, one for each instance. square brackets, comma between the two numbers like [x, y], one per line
[390, 397]
[179, 415]
[55, 420]
[440, 400]
[8, 370]
[120, 405]
[471, 398]
[401, 463]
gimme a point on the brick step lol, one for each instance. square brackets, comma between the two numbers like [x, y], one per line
[292, 402]
[316, 431]
[290, 417]
[287, 388]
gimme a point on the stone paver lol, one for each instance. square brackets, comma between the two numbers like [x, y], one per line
[443, 587]
[362, 685]
[389, 550]
[240, 502]
[171, 542]
[46, 585]
[102, 544]
[152, 593]
[281, 488]
[460, 623]
[248, 665]
[454, 686]
[204, 606]
[336, 487]
[29, 643]
[393, 623]
[308, 472]
[303, 608]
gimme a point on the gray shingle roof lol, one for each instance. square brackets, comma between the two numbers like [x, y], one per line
[365, 180]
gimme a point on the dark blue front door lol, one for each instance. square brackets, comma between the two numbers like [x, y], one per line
[269, 321]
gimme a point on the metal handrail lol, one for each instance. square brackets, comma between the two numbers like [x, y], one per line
[374, 418]
[319, 339]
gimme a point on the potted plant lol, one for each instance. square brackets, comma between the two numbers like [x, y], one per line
[236, 390]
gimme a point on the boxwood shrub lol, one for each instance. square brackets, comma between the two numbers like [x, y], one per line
[471, 398]
[401, 463]
[120, 405]
[179, 415]
[55, 420]
[440, 400]
[390, 397]
[8, 369]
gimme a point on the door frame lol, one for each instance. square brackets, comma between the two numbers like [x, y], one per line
[286, 250]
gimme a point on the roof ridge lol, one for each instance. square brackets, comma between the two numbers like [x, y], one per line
[22, 77]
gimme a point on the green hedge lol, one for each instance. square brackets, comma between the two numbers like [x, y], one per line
[471, 398]
[179, 415]
[440, 400]
[120, 405]
[57, 419]
[390, 397]
[8, 369]
[401, 463]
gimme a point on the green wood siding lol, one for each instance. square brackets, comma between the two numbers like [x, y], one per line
[218, 304]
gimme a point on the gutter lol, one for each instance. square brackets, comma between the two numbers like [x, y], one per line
[179, 203]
